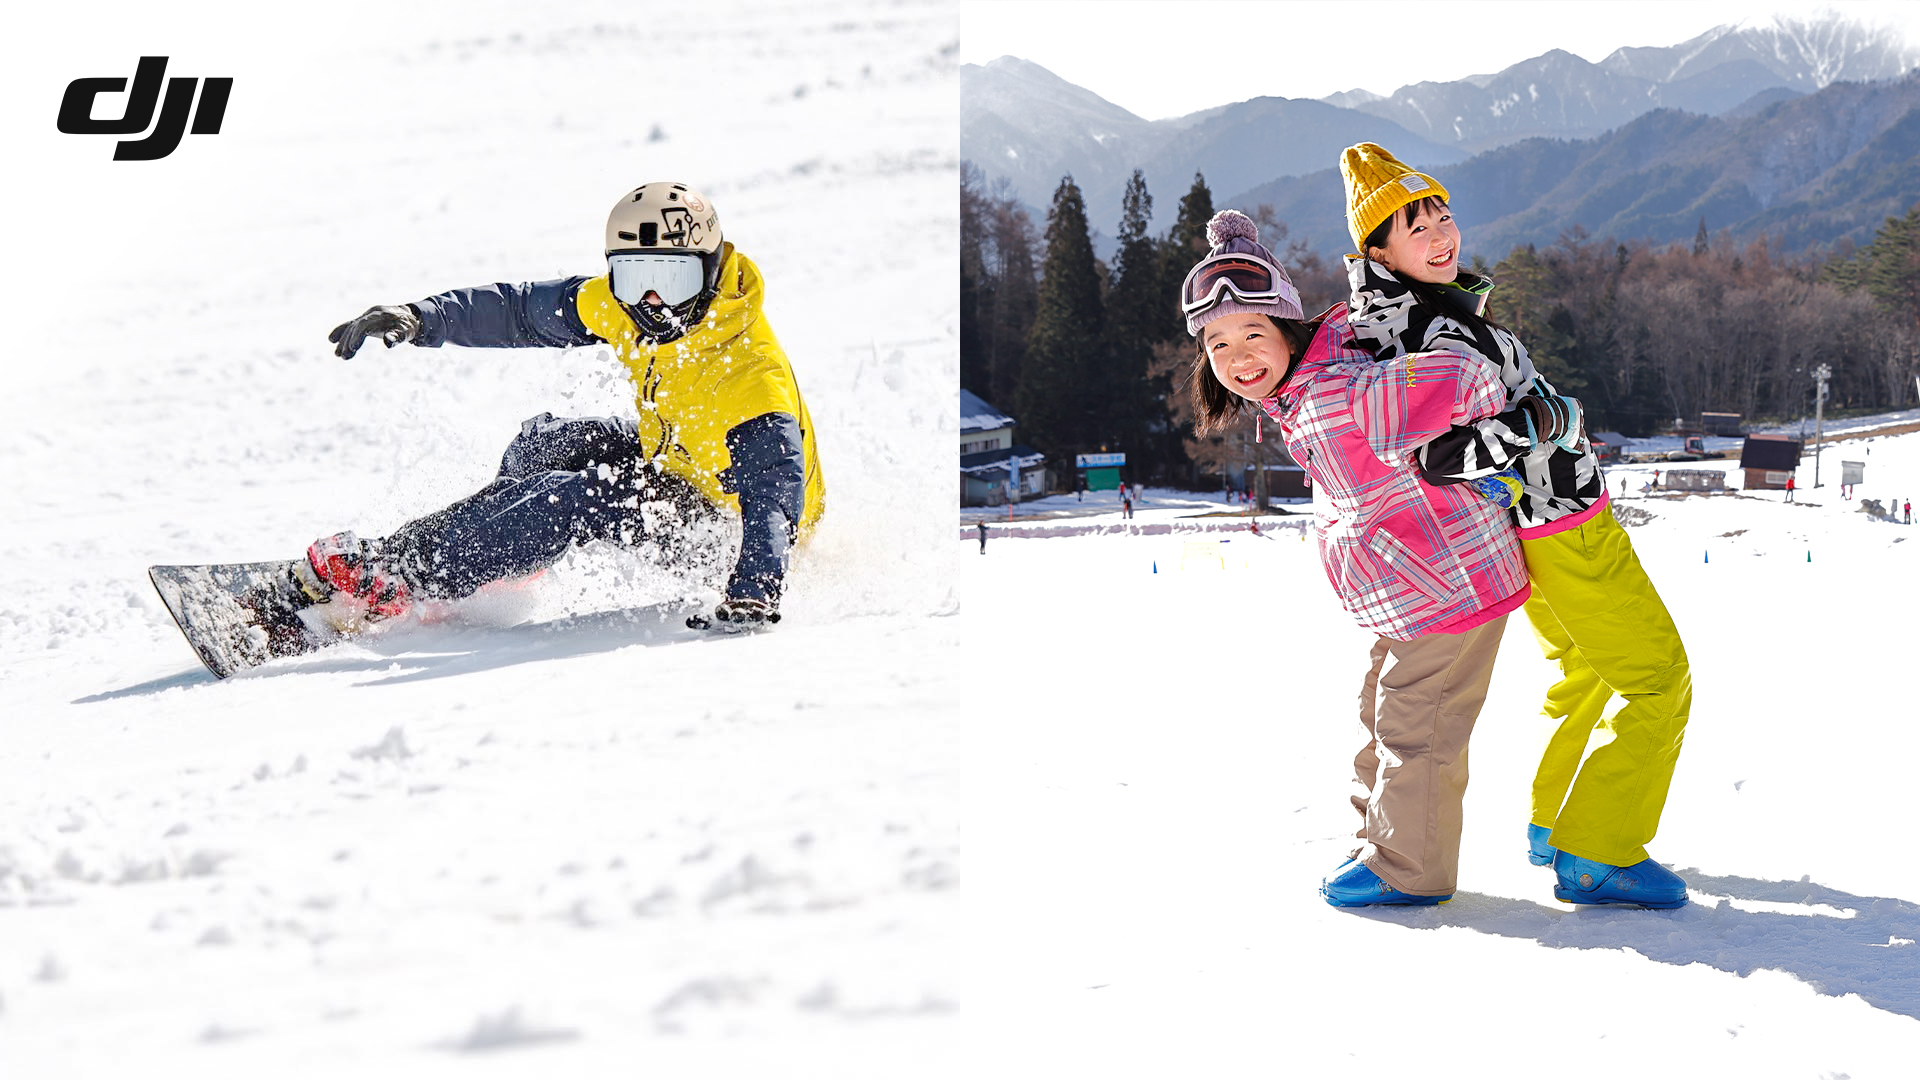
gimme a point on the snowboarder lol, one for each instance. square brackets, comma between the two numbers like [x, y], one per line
[720, 424]
[1438, 601]
[1593, 608]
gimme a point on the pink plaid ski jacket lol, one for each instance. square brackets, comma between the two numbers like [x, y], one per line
[1406, 557]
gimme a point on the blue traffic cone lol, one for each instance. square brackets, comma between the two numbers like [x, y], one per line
[1156, 566]
[1703, 557]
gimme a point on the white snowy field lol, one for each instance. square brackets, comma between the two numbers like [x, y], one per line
[1160, 748]
[561, 832]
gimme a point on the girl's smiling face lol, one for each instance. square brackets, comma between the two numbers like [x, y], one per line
[1427, 250]
[1247, 354]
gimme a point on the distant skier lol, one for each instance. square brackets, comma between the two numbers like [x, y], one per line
[982, 526]
[1789, 488]
[1909, 509]
[1126, 502]
[720, 424]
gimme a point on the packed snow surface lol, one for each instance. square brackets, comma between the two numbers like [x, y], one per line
[1163, 740]
[552, 830]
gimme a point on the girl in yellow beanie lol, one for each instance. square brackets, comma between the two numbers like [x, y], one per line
[1593, 607]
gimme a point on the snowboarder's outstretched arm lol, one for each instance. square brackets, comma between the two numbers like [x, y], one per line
[501, 316]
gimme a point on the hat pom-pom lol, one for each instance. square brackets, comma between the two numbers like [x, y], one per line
[1229, 224]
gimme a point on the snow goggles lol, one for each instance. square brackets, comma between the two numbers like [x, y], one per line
[1251, 280]
[677, 278]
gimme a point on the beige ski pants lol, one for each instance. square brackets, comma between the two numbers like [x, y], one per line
[1417, 708]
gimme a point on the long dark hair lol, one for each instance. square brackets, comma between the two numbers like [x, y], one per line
[1479, 326]
[1215, 406]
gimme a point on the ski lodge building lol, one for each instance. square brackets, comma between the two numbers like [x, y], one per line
[990, 459]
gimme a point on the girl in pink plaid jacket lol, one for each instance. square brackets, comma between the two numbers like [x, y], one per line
[1433, 570]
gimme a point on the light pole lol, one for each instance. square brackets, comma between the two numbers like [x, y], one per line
[1260, 459]
[1822, 373]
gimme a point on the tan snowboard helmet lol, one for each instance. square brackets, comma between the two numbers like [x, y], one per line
[668, 218]
[663, 217]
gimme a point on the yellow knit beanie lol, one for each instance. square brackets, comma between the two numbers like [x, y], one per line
[1378, 184]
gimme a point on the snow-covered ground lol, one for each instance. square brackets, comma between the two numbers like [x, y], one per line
[1160, 736]
[562, 834]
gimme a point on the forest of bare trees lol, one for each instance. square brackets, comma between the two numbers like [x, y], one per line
[1091, 356]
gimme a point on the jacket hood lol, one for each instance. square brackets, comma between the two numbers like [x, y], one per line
[1383, 306]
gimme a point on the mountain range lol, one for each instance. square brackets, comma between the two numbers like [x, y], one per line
[1803, 172]
[1560, 95]
[1531, 141]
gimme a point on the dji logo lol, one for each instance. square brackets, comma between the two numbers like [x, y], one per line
[76, 110]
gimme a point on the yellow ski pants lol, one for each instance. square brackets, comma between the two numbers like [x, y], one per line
[1596, 612]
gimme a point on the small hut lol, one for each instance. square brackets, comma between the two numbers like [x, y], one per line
[1608, 446]
[1769, 461]
[1719, 423]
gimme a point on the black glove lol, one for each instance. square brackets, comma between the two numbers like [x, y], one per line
[737, 613]
[394, 325]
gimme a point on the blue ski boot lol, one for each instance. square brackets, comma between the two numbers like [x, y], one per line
[1539, 852]
[1353, 885]
[1644, 884]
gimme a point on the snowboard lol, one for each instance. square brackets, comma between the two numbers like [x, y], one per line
[240, 615]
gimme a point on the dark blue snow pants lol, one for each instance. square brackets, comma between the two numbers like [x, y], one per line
[562, 482]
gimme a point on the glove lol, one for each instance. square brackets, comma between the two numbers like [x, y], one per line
[1502, 489]
[1556, 419]
[737, 613]
[394, 325]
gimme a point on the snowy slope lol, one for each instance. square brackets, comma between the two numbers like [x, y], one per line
[564, 823]
[1167, 790]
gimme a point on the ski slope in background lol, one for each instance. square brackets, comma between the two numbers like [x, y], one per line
[559, 823]
[1165, 808]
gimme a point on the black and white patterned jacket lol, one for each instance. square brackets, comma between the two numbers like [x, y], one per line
[1388, 319]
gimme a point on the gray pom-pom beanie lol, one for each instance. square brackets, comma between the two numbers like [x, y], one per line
[1232, 232]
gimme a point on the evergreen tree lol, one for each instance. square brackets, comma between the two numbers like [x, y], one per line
[1014, 294]
[1135, 407]
[1186, 243]
[1700, 239]
[1059, 398]
[1892, 271]
[975, 288]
